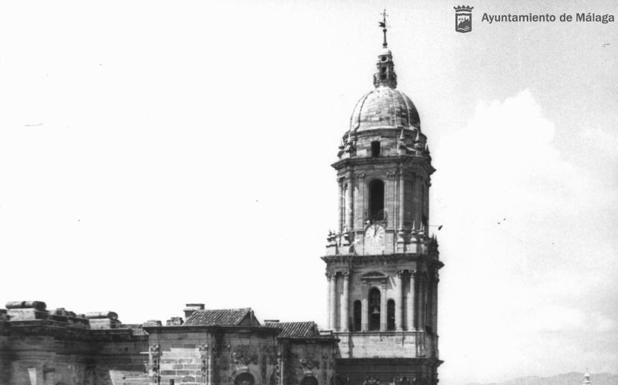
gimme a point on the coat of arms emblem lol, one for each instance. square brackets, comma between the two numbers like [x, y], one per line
[463, 18]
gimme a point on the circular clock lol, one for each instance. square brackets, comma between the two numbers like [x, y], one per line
[374, 239]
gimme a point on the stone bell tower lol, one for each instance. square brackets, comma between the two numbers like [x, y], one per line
[381, 263]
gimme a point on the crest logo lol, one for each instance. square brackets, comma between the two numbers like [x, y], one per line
[463, 18]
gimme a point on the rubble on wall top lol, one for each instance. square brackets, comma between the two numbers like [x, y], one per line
[25, 311]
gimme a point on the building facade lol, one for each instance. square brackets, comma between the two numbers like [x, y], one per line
[382, 269]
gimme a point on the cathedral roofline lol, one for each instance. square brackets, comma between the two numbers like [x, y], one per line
[212, 328]
[54, 328]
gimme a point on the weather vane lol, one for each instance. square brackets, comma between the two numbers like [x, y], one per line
[382, 25]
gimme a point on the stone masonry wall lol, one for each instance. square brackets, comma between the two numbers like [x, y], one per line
[191, 356]
[41, 347]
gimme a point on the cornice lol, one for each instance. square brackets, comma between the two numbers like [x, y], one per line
[382, 258]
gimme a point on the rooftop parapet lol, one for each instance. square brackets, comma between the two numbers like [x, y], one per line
[38, 305]
[26, 310]
[152, 323]
[174, 321]
[20, 311]
[69, 317]
[102, 314]
[103, 320]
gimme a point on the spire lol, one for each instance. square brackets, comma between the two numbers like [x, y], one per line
[385, 76]
[382, 24]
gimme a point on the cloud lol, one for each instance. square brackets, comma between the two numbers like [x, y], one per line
[519, 218]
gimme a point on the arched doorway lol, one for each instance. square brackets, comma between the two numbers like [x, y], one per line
[244, 379]
[309, 380]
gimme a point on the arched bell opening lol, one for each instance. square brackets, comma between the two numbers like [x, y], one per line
[376, 200]
[374, 308]
[390, 315]
[357, 315]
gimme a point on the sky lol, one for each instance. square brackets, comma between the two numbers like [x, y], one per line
[156, 153]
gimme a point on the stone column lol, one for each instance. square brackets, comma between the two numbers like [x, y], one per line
[154, 357]
[401, 199]
[345, 305]
[417, 201]
[365, 308]
[341, 205]
[362, 198]
[420, 317]
[383, 312]
[329, 320]
[350, 204]
[411, 301]
[427, 310]
[434, 301]
[399, 300]
[205, 352]
[333, 301]
[283, 369]
[211, 366]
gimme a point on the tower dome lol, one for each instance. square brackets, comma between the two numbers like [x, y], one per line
[384, 106]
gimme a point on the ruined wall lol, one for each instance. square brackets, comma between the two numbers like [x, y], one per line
[46, 354]
[40, 347]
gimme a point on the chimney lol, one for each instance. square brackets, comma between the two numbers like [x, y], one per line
[192, 307]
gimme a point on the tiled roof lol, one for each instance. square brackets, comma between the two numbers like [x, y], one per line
[296, 329]
[222, 317]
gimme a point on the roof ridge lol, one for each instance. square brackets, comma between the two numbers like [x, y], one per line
[226, 309]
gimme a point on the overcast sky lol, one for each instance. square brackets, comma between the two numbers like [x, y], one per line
[154, 153]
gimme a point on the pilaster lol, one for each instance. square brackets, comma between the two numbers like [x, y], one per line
[411, 301]
[345, 303]
[365, 307]
[399, 300]
[331, 299]
[383, 308]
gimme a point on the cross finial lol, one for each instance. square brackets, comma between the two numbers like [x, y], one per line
[382, 24]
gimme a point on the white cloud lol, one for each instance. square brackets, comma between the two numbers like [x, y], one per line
[516, 226]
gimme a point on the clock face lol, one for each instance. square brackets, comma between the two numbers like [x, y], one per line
[374, 239]
[375, 232]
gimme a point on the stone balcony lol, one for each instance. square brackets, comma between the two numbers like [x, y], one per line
[395, 242]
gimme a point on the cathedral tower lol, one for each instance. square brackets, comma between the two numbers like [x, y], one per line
[381, 263]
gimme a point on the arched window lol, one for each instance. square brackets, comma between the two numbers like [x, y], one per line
[309, 380]
[390, 315]
[244, 379]
[357, 315]
[376, 200]
[374, 309]
[375, 149]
